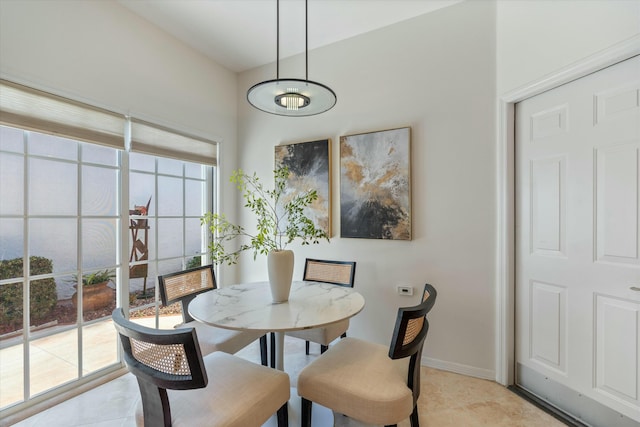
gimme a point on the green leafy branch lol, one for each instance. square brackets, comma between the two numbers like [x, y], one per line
[278, 224]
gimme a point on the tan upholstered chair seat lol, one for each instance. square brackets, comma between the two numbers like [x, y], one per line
[324, 335]
[370, 382]
[358, 379]
[219, 339]
[233, 382]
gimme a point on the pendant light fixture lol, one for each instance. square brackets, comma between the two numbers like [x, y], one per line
[291, 97]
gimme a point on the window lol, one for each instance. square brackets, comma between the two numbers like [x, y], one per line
[168, 198]
[59, 221]
[65, 224]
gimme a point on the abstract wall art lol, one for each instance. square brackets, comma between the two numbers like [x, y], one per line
[375, 185]
[309, 168]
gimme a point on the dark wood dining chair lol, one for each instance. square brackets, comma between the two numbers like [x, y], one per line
[367, 381]
[179, 386]
[341, 273]
[183, 287]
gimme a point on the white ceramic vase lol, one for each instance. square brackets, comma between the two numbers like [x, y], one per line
[280, 267]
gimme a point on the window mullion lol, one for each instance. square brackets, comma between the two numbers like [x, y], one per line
[123, 239]
[26, 368]
[184, 216]
[155, 257]
[79, 266]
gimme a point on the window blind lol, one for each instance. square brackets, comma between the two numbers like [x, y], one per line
[152, 139]
[40, 111]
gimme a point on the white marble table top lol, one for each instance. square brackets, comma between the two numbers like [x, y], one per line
[249, 307]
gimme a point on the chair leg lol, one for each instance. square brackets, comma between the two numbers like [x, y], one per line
[306, 413]
[263, 350]
[323, 348]
[343, 335]
[155, 404]
[414, 417]
[272, 339]
[283, 416]
[306, 348]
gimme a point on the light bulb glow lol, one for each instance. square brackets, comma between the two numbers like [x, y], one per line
[292, 100]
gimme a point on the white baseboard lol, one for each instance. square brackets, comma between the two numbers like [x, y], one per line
[472, 371]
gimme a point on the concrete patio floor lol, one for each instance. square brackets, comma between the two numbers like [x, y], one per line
[54, 358]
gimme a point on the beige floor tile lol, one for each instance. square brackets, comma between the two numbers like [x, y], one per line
[447, 399]
[451, 400]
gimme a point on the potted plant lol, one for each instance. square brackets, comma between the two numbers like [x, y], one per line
[96, 293]
[279, 222]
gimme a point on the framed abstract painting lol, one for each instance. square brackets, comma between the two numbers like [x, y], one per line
[375, 185]
[309, 168]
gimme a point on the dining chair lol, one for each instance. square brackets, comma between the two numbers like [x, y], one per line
[335, 272]
[181, 387]
[367, 381]
[183, 287]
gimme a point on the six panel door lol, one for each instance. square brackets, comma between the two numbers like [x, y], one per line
[577, 244]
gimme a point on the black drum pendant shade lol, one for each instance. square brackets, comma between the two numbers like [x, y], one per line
[291, 97]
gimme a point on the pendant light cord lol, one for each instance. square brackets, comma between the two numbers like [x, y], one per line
[278, 40]
[306, 41]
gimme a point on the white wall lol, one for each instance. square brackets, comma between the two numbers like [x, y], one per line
[436, 74]
[441, 74]
[100, 52]
[536, 38]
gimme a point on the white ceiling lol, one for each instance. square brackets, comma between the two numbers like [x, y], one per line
[241, 34]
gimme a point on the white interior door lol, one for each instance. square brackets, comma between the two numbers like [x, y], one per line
[578, 246]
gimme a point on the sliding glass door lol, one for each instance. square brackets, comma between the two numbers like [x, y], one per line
[59, 224]
[63, 230]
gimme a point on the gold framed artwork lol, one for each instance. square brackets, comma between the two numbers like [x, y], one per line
[375, 185]
[309, 166]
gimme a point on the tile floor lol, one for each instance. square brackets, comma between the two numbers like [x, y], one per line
[447, 400]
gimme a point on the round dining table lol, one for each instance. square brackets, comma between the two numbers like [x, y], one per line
[249, 307]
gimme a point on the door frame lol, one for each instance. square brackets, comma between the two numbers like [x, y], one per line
[506, 233]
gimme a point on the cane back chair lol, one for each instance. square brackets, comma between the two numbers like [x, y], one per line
[341, 379]
[335, 272]
[183, 287]
[180, 387]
